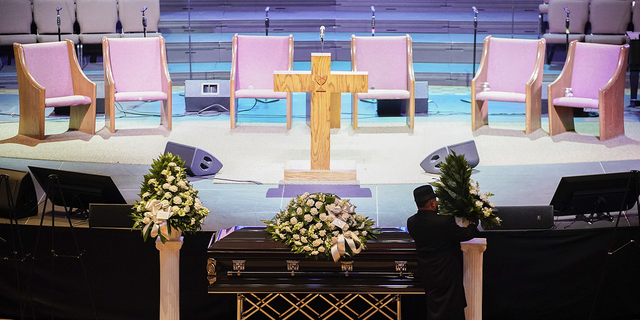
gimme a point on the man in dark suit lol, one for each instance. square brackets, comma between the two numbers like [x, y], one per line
[437, 238]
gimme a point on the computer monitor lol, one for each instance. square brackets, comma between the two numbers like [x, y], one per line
[78, 189]
[596, 194]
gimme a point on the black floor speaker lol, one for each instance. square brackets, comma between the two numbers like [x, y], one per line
[23, 193]
[197, 161]
[432, 162]
[525, 217]
[110, 215]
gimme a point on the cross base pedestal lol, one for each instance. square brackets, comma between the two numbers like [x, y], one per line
[341, 170]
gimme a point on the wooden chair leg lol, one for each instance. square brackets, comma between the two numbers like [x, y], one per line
[560, 120]
[232, 112]
[289, 111]
[354, 111]
[479, 114]
[83, 118]
[166, 114]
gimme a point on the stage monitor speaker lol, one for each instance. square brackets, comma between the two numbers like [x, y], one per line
[432, 162]
[202, 94]
[23, 193]
[525, 217]
[110, 215]
[197, 161]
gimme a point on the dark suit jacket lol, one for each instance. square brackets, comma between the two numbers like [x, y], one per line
[437, 239]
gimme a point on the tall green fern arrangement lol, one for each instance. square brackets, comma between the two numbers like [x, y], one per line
[459, 196]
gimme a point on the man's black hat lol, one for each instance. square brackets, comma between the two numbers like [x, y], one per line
[423, 194]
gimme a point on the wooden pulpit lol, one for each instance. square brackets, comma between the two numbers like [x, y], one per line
[321, 82]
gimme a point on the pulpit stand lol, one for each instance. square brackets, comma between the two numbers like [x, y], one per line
[322, 83]
[169, 278]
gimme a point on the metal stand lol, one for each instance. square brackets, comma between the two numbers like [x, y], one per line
[144, 21]
[266, 21]
[17, 254]
[634, 179]
[318, 305]
[373, 21]
[52, 192]
[475, 35]
[58, 20]
[566, 32]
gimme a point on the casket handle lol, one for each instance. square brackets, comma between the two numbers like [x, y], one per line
[293, 266]
[238, 265]
[401, 266]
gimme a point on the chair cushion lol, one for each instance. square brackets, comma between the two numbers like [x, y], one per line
[67, 101]
[576, 102]
[385, 59]
[258, 57]
[49, 65]
[54, 37]
[384, 94]
[260, 93]
[510, 64]
[141, 96]
[593, 67]
[501, 96]
[136, 64]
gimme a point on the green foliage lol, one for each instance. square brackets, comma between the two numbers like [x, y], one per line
[459, 196]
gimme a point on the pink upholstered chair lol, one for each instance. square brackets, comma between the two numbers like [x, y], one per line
[49, 76]
[389, 63]
[254, 59]
[510, 71]
[135, 69]
[595, 73]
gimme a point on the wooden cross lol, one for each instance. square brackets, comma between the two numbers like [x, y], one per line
[321, 82]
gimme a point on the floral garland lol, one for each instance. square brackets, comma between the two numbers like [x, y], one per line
[459, 196]
[322, 226]
[168, 201]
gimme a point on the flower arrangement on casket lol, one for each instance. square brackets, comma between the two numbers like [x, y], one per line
[460, 196]
[168, 201]
[322, 226]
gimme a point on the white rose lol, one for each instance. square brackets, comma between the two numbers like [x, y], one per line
[173, 189]
[176, 169]
[318, 225]
[319, 204]
[152, 181]
[299, 210]
[303, 231]
[175, 209]
[308, 218]
[307, 248]
[314, 253]
[166, 186]
[146, 220]
[322, 233]
[146, 195]
[296, 236]
[170, 178]
[320, 249]
[316, 242]
[479, 203]
[164, 172]
[304, 239]
[298, 243]
[168, 195]
[314, 211]
[293, 220]
[323, 216]
[310, 202]
[364, 233]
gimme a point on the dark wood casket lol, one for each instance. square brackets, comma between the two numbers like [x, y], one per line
[246, 261]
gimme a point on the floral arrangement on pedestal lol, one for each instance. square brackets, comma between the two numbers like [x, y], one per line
[322, 226]
[459, 196]
[168, 204]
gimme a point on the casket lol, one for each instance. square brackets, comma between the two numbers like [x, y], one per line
[248, 260]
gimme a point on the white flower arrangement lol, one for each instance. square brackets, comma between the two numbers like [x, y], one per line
[322, 226]
[168, 201]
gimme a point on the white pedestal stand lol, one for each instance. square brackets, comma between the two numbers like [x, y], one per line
[473, 258]
[169, 278]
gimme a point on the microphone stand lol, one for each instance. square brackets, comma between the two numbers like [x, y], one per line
[322, 39]
[58, 20]
[475, 34]
[373, 21]
[566, 32]
[144, 22]
[266, 21]
[189, 26]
